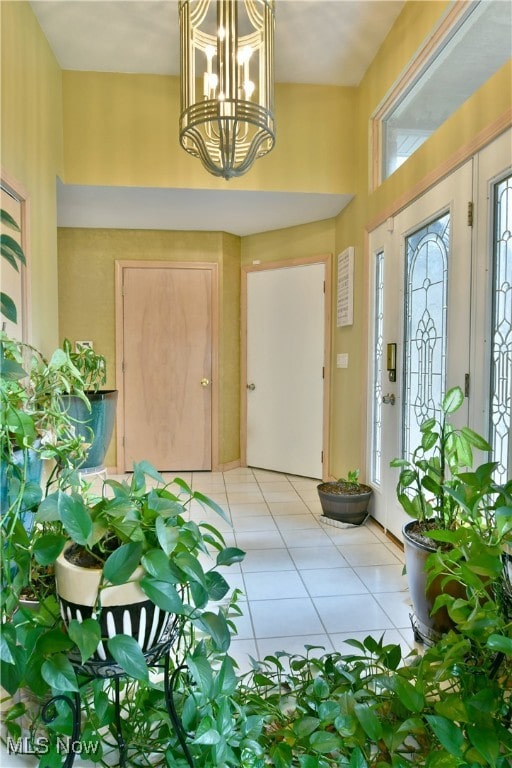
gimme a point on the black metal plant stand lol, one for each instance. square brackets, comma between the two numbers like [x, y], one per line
[158, 656]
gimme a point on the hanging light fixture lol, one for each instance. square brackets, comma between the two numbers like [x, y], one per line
[227, 82]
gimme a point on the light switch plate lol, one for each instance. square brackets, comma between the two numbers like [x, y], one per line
[342, 360]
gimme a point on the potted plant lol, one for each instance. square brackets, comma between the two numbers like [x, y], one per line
[33, 426]
[134, 547]
[345, 500]
[94, 419]
[133, 537]
[429, 488]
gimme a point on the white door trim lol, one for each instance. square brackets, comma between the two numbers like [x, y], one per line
[326, 260]
[120, 266]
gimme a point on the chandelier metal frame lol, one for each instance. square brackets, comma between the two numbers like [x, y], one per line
[227, 82]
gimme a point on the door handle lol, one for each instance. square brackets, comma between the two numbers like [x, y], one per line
[388, 399]
[251, 386]
[205, 382]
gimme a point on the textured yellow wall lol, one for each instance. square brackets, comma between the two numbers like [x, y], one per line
[31, 132]
[313, 239]
[87, 301]
[123, 130]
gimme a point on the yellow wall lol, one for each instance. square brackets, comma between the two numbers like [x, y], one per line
[87, 301]
[123, 130]
[31, 132]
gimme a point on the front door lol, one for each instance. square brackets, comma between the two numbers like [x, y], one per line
[286, 366]
[421, 304]
[167, 366]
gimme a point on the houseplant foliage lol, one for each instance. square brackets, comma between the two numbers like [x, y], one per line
[346, 499]
[434, 488]
[33, 429]
[94, 420]
[142, 524]
[367, 708]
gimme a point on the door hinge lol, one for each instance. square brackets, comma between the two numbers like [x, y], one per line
[471, 208]
[322, 457]
[324, 286]
[323, 372]
[466, 385]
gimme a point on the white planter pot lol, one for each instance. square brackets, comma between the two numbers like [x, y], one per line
[125, 609]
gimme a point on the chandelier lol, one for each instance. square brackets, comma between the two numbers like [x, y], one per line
[227, 82]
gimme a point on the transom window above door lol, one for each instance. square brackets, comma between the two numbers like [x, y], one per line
[471, 43]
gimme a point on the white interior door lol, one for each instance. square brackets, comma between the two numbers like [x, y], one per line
[285, 368]
[425, 289]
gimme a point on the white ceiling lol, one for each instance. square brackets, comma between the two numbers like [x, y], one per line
[316, 41]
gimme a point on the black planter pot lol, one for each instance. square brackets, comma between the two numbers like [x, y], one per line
[351, 508]
[125, 609]
[96, 426]
[427, 627]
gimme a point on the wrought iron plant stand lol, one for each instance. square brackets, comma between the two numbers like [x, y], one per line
[157, 657]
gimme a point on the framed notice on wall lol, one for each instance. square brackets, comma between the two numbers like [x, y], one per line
[345, 309]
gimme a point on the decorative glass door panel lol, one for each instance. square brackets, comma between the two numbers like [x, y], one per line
[426, 290]
[424, 308]
[378, 346]
[501, 331]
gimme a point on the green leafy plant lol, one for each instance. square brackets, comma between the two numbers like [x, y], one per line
[144, 522]
[91, 365]
[427, 480]
[133, 525]
[351, 484]
[13, 253]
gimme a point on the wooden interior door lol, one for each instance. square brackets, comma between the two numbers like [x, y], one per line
[167, 366]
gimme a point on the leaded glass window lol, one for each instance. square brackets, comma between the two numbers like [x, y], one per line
[426, 291]
[501, 341]
[377, 367]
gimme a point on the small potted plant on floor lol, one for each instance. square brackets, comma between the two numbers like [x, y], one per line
[345, 500]
[429, 489]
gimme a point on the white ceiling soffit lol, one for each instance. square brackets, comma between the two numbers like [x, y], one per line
[329, 42]
[238, 212]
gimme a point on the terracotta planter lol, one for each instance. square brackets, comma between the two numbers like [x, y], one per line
[427, 627]
[349, 508]
[125, 608]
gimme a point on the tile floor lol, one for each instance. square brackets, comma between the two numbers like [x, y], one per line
[304, 582]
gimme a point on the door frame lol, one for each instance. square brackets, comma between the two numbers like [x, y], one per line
[19, 192]
[466, 152]
[326, 260]
[120, 266]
